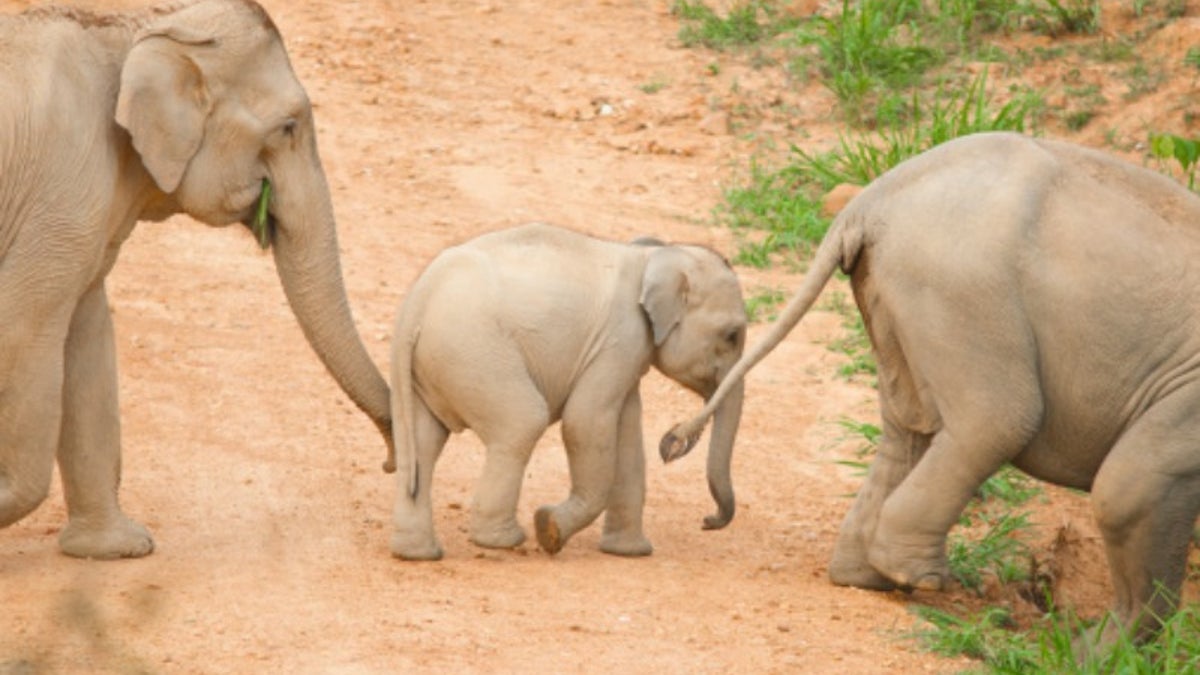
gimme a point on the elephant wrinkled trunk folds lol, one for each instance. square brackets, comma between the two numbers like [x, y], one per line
[306, 256]
[720, 454]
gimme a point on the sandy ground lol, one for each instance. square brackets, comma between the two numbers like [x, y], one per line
[261, 482]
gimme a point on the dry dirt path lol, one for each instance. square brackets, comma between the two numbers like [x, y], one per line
[440, 120]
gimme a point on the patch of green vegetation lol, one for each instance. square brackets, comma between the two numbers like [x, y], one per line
[855, 343]
[1192, 58]
[762, 305]
[987, 636]
[992, 637]
[864, 50]
[1185, 152]
[772, 213]
[1142, 80]
[988, 546]
[1056, 17]
[653, 86]
[744, 24]
[1083, 103]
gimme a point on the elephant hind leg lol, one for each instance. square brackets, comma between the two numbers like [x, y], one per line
[898, 451]
[510, 430]
[413, 535]
[1146, 497]
[30, 410]
[23, 486]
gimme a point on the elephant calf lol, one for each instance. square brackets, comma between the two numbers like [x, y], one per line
[1034, 302]
[515, 330]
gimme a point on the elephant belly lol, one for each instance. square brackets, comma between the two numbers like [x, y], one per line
[1058, 459]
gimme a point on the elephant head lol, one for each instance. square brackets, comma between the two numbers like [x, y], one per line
[211, 105]
[698, 321]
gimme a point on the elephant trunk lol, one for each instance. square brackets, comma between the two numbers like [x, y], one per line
[306, 256]
[720, 456]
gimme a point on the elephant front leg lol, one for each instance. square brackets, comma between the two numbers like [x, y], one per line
[623, 518]
[89, 448]
[590, 429]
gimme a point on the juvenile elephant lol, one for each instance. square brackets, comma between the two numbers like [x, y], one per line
[1032, 302]
[106, 120]
[520, 328]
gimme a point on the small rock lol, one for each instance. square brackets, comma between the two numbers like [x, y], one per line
[837, 198]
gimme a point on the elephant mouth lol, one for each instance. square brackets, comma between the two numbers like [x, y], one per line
[262, 221]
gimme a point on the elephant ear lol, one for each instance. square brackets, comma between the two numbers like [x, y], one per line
[664, 291]
[163, 104]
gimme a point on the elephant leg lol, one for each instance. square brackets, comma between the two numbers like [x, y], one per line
[89, 447]
[908, 544]
[510, 438]
[31, 386]
[623, 518]
[590, 430]
[899, 450]
[30, 412]
[413, 535]
[1146, 497]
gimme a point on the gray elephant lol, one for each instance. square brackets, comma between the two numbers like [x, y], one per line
[106, 120]
[1032, 302]
[517, 329]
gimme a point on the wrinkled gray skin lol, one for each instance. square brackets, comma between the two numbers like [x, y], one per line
[517, 329]
[1033, 302]
[105, 121]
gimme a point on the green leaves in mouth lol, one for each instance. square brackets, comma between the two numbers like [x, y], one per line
[261, 226]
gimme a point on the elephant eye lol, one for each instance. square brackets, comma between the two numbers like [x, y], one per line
[289, 128]
[733, 337]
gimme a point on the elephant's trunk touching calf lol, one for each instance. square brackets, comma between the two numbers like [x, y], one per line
[306, 256]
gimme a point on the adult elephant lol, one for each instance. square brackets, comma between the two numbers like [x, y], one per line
[106, 120]
[1034, 302]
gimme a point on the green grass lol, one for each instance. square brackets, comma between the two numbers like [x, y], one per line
[992, 547]
[1185, 152]
[854, 344]
[762, 305]
[746, 23]
[772, 213]
[991, 637]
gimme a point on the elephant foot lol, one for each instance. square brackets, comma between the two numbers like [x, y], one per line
[910, 567]
[548, 534]
[506, 535]
[121, 539]
[623, 544]
[408, 546]
[858, 575]
[849, 566]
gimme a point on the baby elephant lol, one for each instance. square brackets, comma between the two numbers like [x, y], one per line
[515, 330]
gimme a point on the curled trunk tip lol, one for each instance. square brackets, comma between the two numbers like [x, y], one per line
[726, 507]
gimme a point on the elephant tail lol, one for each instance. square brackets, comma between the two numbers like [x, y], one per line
[403, 406]
[839, 249]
